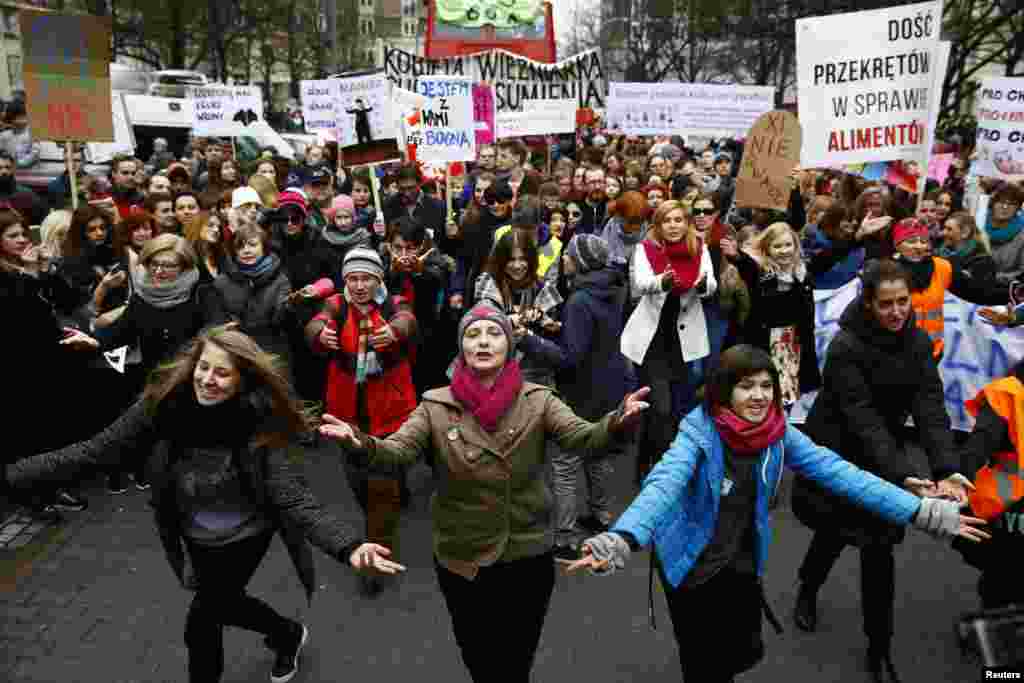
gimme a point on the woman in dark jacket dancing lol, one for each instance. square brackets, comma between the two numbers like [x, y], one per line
[879, 370]
[222, 423]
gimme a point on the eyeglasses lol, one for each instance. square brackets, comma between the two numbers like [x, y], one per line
[165, 266]
[575, 214]
[702, 212]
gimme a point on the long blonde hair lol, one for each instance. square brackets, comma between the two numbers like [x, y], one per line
[259, 370]
[54, 232]
[662, 212]
[761, 243]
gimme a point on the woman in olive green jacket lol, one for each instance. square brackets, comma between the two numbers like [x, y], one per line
[492, 509]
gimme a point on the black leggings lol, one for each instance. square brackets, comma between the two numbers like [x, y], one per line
[518, 591]
[877, 581]
[222, 573]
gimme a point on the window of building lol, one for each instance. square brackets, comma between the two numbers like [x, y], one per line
[14, 71]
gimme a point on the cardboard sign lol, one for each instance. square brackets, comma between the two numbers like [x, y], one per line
[449, 131]
[224, 110]
[1000, 112]
[67, 76]
[769, 157]
[695, 109]
[318, 100]
[483, 113]
[868, 98]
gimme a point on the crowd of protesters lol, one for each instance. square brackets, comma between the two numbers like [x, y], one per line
[618, 271]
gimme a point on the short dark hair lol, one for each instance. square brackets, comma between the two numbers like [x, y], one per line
[186, 193]
[1009, 193]
[735, 364]
[877, 271]
[412, 231]
[515, 146]
[157, 198]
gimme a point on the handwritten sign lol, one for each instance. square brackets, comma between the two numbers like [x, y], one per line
[539, 118]
[318, 99]
[1000, 112]
[67, 76]
[483, 113]
[224, 110]
[449, 132]
[770, 155]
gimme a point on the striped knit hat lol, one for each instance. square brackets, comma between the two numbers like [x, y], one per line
[293, 197]
[485, 311]
[589, 252]
[363, 260]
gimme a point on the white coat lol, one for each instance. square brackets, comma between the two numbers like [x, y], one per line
[643, 323]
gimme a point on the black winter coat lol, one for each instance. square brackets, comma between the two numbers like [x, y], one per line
[259, 305]
[273, 475]
[873, 381]
[593, 377]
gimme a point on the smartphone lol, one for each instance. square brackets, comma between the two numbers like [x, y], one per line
[35, 235]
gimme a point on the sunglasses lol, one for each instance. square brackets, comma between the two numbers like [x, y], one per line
[702, 212]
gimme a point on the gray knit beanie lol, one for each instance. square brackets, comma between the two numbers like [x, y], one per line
[362, 260]
[485, 311]
[589, 252]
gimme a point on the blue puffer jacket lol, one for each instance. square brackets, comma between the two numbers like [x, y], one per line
[677, 509]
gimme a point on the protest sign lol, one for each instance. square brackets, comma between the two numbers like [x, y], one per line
[407, 107]
[483, 113]
[938, 166]
[366, 127]
[124, 136]
[449, 132]
[514, 78]
[976, 352]
[771, 153]
[540, 118]
[224, 110]
[687, 108]
[867, 99]
[318, 100]
[67, 76]
[1000, 114]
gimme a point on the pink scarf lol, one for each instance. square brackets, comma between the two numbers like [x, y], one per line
[487, 405]
[747, 438]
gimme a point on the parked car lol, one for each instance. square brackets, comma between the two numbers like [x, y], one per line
[174, 83]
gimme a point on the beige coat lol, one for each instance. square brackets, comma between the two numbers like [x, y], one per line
[492, 503]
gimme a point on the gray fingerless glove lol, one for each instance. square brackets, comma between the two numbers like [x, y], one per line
[611, 548]
[939, 518]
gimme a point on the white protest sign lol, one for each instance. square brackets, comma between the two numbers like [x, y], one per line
[942, 50]
[318, 100]
[224, 110]
[1000, 114]
[449, 131]
[514, 78]
[407, 107]
[363, 110]
[539, 118]
[124, 136]
[688, 108]
[864, 83]
[975, 352]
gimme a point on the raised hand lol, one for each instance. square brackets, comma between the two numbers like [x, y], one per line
[113, 280]
[729, 247]
[631, 409]
[373, 557]
[336, 429]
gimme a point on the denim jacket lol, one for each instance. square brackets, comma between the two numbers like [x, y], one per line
[677, 509]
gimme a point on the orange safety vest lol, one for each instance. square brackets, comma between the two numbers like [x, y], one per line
[999, 485]
[928, 304]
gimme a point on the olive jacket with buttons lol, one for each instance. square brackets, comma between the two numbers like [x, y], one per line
[492, 502]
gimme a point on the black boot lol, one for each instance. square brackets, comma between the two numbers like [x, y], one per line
[805, 613]
[880, 665]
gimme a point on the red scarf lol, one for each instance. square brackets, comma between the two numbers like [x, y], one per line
[747, 438]
[487, 405]
[685, 265]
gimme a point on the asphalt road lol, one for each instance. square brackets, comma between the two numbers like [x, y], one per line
[100, 603]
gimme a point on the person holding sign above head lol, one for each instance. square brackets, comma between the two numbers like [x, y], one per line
[487, 435]
[705, 511]
[879, 370]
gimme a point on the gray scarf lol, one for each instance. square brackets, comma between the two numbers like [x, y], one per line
[360, 237]
[171, 295]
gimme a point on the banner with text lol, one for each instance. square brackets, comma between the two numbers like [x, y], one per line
[514, 78]
[318, 100]
[1000, 114]
[224, 110]
[867, 99]
[686, 108]
[541, 117]
[976, 352]
[449, 131]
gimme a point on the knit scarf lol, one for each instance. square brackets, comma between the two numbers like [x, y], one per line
[749, 438]
[1000, 236]
[266, 263]
[963, 250]
[367, 364]
[685, 265]
[487, 405]
[360, 237]
[169, 295]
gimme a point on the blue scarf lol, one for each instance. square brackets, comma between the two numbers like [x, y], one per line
[1000, 236]
[838, 275]
[962, 251]
[261, 267]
